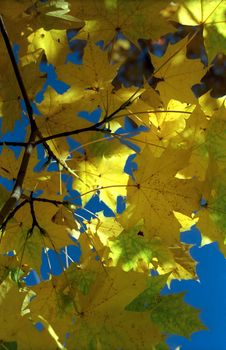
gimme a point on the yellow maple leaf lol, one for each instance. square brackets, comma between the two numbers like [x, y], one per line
[104, 321]
[135, 19]
[157, 189]
[209, 18]
[91, 80]
[173, 70]
[32, 20]
[15, 327]
[103, 174]
[105, 228]
[194, 138]
[212, 214]
[53, 42]
[215, 136]
[10, 94]
[166, 126]
[29, 233]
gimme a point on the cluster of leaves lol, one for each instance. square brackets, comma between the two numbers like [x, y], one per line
[129, 129]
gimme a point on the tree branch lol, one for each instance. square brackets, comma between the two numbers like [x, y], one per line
[34, 220]
[17, 189]
[52, 201]
[30, 200]
[11, 215]
[17, 74]
[94, 127]
[33, 124]
[13, 143]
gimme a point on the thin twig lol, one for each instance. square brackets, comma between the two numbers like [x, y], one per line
[52, 201]
[13, 143]
[94, 127]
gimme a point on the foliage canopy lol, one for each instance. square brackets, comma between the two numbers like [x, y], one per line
[120, 148]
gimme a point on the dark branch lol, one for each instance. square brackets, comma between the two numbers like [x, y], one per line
[17, 189]
[34, 220]
[95, 127]
[13, 143]
[30, 200]
[11, 215]
[52, 201]
[17, 74]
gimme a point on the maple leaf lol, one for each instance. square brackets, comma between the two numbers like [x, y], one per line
[165, 314]
[59, 312]
[150, 296]
[45, 181]
[130, 248]
[212, 214]
[168, 123]
[10, 97]
[53, 42]
[162, 309]
[206, 17]
[7, 265]
[104, 228]
[96, 297]
[17, 329]
[38, 17]
[173, 74]
[91, 80]
[194, 138]
[104, 175]
[215, 137]
[103, 315]
[4, 194]
[166, 126]
[134, 19]
[30, 231]
[157, 189]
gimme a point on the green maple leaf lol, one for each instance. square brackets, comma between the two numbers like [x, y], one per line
[131, 247]
[12, 345]
[169, 312]
[148, 299]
